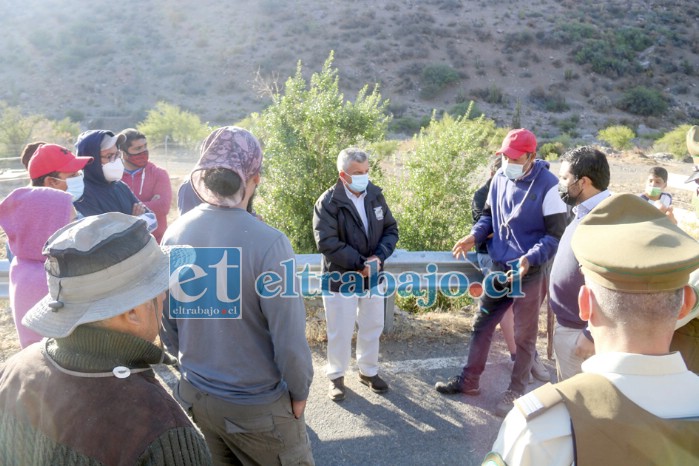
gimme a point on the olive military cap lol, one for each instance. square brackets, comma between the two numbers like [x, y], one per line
[627, 244]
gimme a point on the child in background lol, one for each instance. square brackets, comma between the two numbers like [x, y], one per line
[656, 182]
[654, 194]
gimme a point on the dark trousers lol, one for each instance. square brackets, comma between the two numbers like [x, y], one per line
[267, 434]
[526, 320]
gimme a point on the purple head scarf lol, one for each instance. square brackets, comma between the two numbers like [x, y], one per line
[228, 147]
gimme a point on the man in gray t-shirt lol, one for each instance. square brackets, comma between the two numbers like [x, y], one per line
[245, 362]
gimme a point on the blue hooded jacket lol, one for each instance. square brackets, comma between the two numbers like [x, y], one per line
[526, 216]
[100, 196]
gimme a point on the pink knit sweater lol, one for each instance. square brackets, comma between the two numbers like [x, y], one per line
[29, 216]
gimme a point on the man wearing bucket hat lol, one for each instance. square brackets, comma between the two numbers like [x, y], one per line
[635, 402]
[245, 377]
[86, 394]
[526, 217]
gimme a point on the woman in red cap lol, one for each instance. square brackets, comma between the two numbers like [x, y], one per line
[29, 215]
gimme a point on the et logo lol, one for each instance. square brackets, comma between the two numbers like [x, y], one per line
[209, 287]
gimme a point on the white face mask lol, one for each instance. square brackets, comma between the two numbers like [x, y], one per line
[113, 171]
[76, 186]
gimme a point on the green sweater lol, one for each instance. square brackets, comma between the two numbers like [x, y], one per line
[60, 404]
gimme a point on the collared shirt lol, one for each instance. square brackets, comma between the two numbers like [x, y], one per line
[585, 207]
[358, 202]
[661, 385]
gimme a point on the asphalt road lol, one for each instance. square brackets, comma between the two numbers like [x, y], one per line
[411, 424]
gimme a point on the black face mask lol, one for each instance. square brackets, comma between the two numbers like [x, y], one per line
[566, 197]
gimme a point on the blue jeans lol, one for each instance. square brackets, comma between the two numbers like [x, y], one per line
[526, 316]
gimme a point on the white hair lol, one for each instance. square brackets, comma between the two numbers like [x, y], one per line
[349, 155]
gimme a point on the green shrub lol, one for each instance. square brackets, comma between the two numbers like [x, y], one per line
[551, 150]
[465, 109]
[643, 101]
[515, 41]
[674, 142]
[303, 131]
[15, 130]
[75, 115]
[435, 78]
[408, 125]
[553, 102]
[177, 125]
[415, 304]
[62, 132]
[618, 137]
[385, 148]
[569, 125]
[492, 94]
[611, 52]
[431, 198]
[517, 115]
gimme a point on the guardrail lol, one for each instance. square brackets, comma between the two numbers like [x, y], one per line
[401, 261]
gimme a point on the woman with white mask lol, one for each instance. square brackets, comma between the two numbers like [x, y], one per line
[104, 190]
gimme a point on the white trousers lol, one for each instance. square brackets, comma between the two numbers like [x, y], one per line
[341, 313]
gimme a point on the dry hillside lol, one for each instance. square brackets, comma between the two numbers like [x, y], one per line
[567, 63]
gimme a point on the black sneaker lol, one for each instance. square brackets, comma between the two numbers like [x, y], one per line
[458, 385]
[376, 383]
[337, 389]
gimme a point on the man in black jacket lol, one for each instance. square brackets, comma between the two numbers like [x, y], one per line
[355, 232]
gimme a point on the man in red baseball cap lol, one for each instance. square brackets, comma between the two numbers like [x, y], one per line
[54, 166]
[524, 217]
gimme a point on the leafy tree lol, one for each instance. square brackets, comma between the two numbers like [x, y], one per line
[431, 198]
[619, 137]
[303, 131]
[15, 130]
[674, 142]
[62, 132]
[179, 126]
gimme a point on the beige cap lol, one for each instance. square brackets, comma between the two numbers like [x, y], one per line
[627, 244]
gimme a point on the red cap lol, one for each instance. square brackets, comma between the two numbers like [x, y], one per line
[51, 158]
[517, 143]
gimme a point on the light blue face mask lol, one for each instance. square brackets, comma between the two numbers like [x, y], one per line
[512, 170]
[75, 186]
[359, 183]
